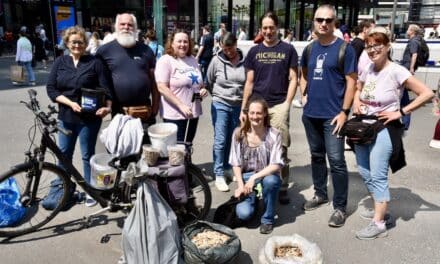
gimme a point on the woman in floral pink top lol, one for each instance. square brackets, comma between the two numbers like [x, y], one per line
[178, 79]
[256, 158]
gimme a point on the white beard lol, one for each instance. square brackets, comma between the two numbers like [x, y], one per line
[126, 39]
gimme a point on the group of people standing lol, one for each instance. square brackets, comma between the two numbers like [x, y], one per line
[32, 49]
[251, 100]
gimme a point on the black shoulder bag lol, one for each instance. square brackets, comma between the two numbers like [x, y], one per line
[361, 129]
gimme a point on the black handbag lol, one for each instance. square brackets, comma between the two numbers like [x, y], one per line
[361, 129]
[225, 213]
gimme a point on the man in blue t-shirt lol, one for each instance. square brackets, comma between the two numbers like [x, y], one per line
[326, 107]
[131, 64]
[272, 73]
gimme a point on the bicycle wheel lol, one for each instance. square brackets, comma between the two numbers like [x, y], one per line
[35, 215]
[199, 200]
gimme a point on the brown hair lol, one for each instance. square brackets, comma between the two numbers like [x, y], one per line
[378, 37]
[246, 125]
[169, 48]
[270, 15]
[74, 31]
[151, 35]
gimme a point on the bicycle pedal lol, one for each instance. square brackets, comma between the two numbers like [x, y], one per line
[105, 239]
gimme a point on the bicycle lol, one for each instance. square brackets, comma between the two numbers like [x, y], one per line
[34, 178]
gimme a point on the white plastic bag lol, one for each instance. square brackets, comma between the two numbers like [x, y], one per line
[311, 254]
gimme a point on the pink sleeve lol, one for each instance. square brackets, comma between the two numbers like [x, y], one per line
[162, 73]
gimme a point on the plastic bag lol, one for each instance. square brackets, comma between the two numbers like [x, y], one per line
[213, 255]
[150, 233]
[311, 254]
[11, 210]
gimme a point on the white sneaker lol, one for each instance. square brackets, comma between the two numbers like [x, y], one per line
[221, 185]
[434, 143]
[297, 103]
[90, 201]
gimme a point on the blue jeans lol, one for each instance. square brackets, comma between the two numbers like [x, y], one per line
[322, 142]
[28, 66]
[225, 119]
[406, 120]
[182, 125]
[373, 163]
[271, 185]
[204, 63]
[87, 133]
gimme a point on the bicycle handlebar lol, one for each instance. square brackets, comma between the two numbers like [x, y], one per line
[45, 118]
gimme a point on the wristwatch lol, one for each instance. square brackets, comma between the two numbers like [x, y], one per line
[401, 112]
[346, 111]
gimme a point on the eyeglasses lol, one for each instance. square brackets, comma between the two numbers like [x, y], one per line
[327, 20]
[375, 47]
[76, 42]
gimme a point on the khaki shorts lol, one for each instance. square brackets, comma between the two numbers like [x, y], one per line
[279, 119]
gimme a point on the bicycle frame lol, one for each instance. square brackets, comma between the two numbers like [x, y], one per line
[66, 164]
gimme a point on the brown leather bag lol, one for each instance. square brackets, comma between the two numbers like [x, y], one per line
[142, 112]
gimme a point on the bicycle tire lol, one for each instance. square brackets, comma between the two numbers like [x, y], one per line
[197, 207]
[36, 216]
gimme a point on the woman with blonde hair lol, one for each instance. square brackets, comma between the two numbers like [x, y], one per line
[69, 75]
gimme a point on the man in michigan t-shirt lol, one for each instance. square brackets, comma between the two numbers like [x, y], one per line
[271, 72]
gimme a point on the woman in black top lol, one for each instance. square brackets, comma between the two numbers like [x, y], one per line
[79, 112]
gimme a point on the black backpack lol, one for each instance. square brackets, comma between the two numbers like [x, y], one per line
[423, 53]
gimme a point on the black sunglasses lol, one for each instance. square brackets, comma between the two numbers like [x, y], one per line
[327, 20]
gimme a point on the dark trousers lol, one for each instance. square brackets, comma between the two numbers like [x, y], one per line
[182, 126]
[406, 120]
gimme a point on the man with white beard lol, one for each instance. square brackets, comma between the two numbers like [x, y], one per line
[131, 64]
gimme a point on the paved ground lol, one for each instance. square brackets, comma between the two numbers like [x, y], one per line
[415, 204]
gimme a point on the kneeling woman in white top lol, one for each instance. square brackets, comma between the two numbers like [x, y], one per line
[256, 158]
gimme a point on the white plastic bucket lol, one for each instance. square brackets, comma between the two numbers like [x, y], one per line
[102, 175]
[163, 135]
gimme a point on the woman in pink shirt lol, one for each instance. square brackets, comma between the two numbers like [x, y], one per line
[180, 83]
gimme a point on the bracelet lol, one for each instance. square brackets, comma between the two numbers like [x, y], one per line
[346, 111]
[401, 112]
[245, 110]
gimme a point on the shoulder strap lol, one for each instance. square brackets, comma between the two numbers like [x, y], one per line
[307, 53]
[341, 57]
[306, 62]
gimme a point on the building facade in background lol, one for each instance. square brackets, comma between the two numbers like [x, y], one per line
[166, 15]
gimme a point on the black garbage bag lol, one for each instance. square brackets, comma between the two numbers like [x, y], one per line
[215, 255]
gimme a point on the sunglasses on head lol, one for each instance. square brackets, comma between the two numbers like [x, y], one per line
[327, 20]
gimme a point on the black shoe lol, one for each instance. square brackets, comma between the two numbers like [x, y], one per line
[337, 219]
[314, 203]
[266, 228]
[283, 197]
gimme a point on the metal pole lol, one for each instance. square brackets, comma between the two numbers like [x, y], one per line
[393, 17]
[196, 20]
[54, 31]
